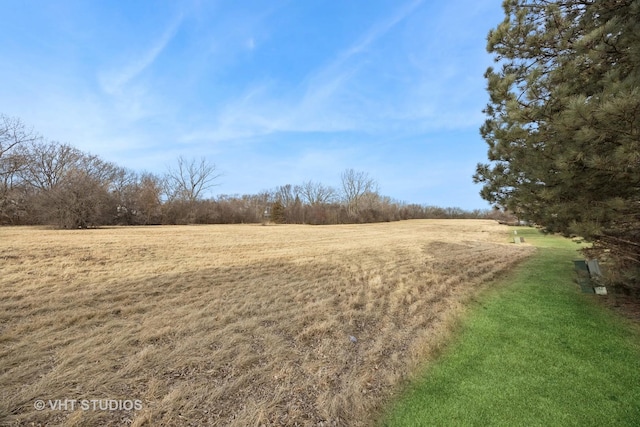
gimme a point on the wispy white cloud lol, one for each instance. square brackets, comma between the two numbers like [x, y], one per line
[113, 81]
[377, 31]
[322, 102]
[325, 86]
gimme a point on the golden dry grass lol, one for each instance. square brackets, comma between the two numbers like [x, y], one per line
[235, 325]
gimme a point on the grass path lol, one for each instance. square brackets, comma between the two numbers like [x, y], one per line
[533, 352]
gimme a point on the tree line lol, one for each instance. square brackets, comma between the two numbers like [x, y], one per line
[51, 183]
[563, 123]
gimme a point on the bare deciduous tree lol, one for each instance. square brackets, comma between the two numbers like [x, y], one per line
[354, 186]
[124, 194]
[286, 194]
[13, 133]
[48, 163]
[189, 179]
[70, 188]
[314, 193]
[149, 197]
[13, 136]
[79, 201]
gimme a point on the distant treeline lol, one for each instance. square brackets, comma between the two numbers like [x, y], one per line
[265, 208]
[49, 183]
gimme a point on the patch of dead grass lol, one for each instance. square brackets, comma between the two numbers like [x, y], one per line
[234, 324]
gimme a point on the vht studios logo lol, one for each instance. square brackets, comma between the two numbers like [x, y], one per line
[88, 405]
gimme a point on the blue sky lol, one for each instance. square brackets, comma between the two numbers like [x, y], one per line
[272, 92]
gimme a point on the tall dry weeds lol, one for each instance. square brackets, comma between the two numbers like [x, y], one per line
[232, 325]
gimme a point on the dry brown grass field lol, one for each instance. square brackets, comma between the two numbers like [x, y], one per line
[232, 325]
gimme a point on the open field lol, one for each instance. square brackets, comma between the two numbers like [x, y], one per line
[232, 324]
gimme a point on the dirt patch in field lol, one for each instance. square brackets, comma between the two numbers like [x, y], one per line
[232, 325]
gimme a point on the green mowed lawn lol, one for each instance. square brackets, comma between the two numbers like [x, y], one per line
[534, 351]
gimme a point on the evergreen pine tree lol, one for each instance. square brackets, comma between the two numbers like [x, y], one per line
[563, 121]
[277, 212]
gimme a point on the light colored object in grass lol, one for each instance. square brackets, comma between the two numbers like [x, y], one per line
[353, 339]
[600, 290]
[594, 268]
